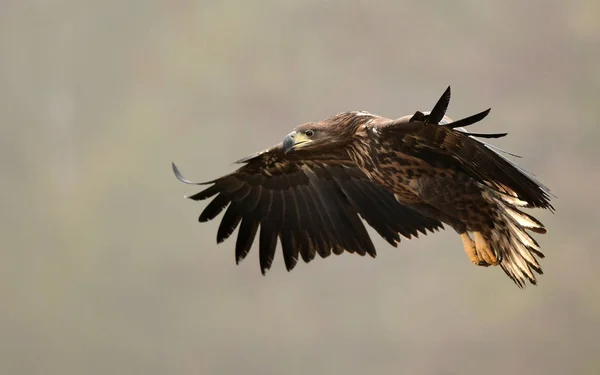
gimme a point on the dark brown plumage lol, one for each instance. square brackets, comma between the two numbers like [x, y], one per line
[401, 176]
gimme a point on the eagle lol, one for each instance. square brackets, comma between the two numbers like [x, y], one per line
[404, 177]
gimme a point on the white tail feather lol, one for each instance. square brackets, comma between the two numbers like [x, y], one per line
[524, 219]
[515, 248]
[514, 201]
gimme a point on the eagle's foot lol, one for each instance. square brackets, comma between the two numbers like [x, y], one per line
[471, 249]
[484, 251]
[476, 251]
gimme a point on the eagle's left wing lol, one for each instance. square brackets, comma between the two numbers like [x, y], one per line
[312, 204]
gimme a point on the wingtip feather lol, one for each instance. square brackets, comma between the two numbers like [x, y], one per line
[180, 176]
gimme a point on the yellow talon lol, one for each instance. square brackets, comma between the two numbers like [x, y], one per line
[470, 249]
[484, 250]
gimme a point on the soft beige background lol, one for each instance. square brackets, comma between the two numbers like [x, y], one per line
[104, 269]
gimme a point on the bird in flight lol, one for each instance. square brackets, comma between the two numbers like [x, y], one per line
[403, 177]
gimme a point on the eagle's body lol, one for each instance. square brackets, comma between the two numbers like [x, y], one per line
[435, 187]
[402, 176]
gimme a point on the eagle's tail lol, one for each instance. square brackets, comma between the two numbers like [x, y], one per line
[515, 249]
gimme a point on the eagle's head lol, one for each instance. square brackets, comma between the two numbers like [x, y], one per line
[335, 131]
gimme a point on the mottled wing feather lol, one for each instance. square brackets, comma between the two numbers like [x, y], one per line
[443, 144]
[490, 167]
[448, 145]
[312, 205]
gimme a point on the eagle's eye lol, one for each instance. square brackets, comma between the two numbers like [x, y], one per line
[309, 133]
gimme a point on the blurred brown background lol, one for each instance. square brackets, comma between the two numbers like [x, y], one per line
[105, 269]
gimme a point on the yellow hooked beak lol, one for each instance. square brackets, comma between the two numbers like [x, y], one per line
[294, 141]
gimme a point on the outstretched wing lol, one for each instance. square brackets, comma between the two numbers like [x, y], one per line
[313, 204]
[484, 162]
[441, 142]
[435, 138]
